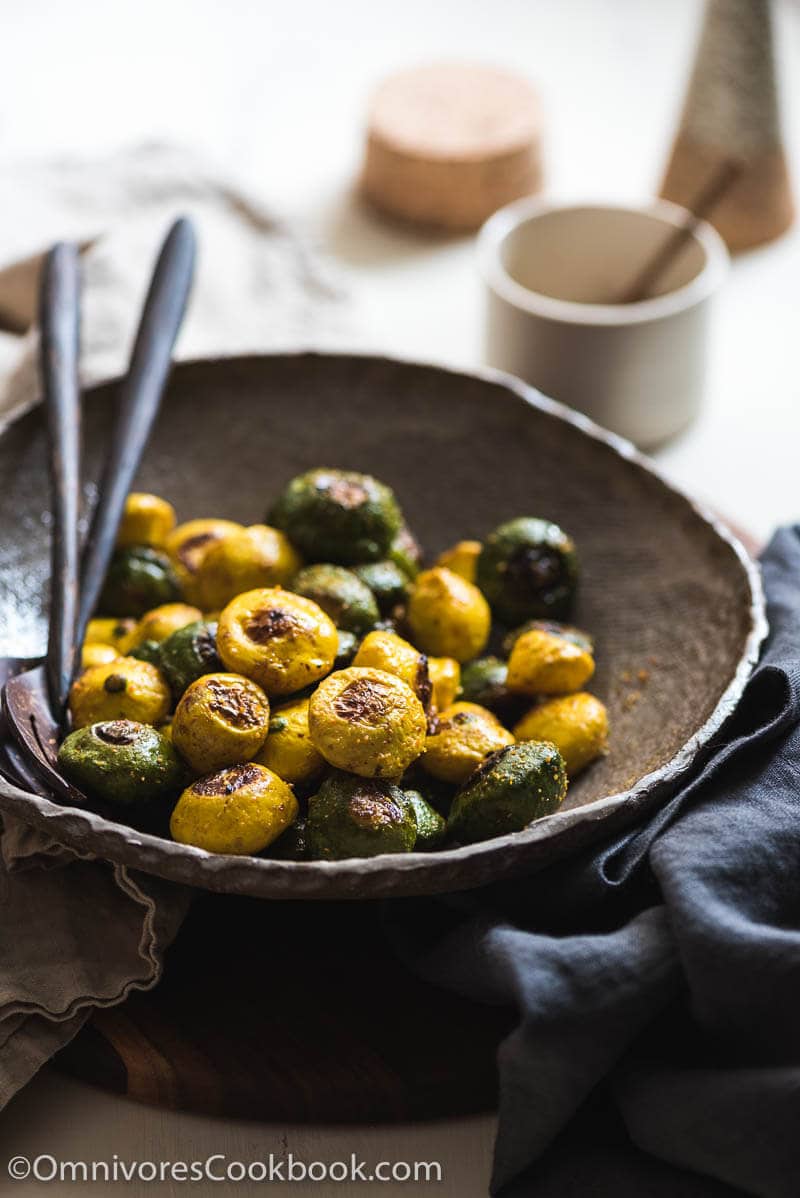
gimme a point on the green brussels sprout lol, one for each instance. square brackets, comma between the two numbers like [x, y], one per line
[338, 516]
[348, 644]
[576, 636]
[148, 651]
[431, 828]
[291, 845]
[138, 579]
[483, 681]
[528, 568]
[359, 817]
[514, 786]
[121, 762]
[387, 581]
[347, 600]
[187, 654]
[406, 552]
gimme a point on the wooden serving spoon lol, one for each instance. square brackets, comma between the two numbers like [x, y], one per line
[34, 701]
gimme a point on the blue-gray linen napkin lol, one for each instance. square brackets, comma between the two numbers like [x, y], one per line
[657, 979]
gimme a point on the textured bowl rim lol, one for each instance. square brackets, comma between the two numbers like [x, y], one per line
[408, 873]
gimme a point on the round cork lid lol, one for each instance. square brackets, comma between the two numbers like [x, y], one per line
[449, 143]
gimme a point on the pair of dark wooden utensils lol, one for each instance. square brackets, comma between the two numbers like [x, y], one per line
[35, 692]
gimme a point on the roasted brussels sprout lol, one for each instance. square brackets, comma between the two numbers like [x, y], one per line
[406, 552]
[483, 681]
[569, 632]
[576, 724]
[258, 556]
[125, 689]
[462, 559]
[388, 583]
[147, 651]
[281, 640]
[358, 817]
[94, 653]
[445, 676]
[146, 520]
[431, 828]
[188, 654]
[161, 622]
[138, 579]
[338, 516]
[239, 810]
[121, 761]
[338, 591]
[221, 720]
[542, 663]
[368, 722]
[388, 651]
[465, 736]
[528, 568]
[515, 786]
[111, 631]
[288, 750]
[448, 616]
[188, 544]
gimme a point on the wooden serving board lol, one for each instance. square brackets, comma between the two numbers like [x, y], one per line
[293, 1012]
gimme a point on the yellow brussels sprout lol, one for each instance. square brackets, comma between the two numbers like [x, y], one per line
[281, 640]
[465, 736]
[576, 724]
[95, 654]
[161, 622]
[288, 750]
[220, 720]
[146, 520]
[462, 559]
[188, 544]
[448, 616]
[445, 674]
[239, 810]
[258, 556]
[544, 663]
[368, 722]
[387, 651]
[112, 630]
[125, 689]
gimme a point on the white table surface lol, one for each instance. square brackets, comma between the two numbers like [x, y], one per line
[276, 93]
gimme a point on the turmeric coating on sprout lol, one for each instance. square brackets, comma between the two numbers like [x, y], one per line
[281, 640]
[241, 810]
[367, 722]
[221, 719]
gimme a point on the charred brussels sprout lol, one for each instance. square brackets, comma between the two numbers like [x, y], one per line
[121, 761]
[222, 719]
[528, 568]
[388, 651]
[447, 615]
[138, 579]
[368, 722]
[239, 810]
[431, 828]
[358, 817]
[465, 736]
[283, 641]
[576, 724]
[338, 516]
[388, 583]
[188, 654]
[125, 689]
[146, 520]
[338, 591]
[515, 786]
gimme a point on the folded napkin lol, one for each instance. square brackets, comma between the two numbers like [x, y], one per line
[77, 934]
[657, 978]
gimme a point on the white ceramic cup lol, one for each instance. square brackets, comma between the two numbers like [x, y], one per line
[554, 277]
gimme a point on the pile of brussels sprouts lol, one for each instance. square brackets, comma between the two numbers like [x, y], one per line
[304, 688]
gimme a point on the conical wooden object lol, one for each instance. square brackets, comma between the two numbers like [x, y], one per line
[731, 113]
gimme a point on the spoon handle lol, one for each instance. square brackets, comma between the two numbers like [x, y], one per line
[140, 396]
[59, 318]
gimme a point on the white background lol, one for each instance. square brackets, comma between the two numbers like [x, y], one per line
[276, 93]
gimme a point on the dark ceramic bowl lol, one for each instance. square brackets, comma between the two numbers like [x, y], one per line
[671, 597]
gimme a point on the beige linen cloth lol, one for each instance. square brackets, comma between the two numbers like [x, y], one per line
[77, 934]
